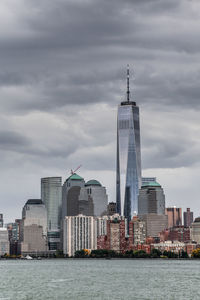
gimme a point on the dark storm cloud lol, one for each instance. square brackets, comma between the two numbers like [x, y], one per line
[63, 73]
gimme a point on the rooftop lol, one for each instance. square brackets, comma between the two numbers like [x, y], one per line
[75, 177]
[93, 182]
[151, 183]
[34, 202]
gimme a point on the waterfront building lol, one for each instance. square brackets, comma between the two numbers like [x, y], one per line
[51, 195]
[79, 232]
[98, 195]
[34, 212]
[34, 241]
[1, 220]
[177, 233]
[188, 217]
[111, 208]
[116, 236]
[137, 232]
[4, 241]
[151, 199]
[154, 224]
[174, 216]
[195, 230]
[128, 172]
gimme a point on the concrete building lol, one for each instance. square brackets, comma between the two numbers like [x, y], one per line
[1, 220]
[116, 235]
[174, 216]
[154, 224]
[98, 195]
[70, 204]
[137, 232]
[188, 217]
[195, 230]
[128, 171]
[51, 195]
[4, 241]
[79, 232]
[34, 212]
[34, 241]
[111, 208]
[151, 199]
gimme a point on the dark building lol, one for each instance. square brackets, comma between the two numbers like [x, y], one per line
[188, 218]
[177, 233]
[151, 199]
[111, 208]
[1, 220]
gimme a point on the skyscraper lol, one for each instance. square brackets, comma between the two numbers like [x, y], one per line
[128, 179]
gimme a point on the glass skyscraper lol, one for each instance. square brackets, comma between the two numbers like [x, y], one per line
[128, 157]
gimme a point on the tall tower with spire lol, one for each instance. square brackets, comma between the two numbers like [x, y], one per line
[128, 173]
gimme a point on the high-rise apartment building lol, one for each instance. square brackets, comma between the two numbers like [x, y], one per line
[188, 217]
[79, 232]
[128, 177]
[51, 195]
[174, 216]
[4, 241]
[195, 230]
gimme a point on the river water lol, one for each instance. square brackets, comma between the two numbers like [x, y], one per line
[99, 279]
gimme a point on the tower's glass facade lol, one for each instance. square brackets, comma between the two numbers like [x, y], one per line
[128, 158]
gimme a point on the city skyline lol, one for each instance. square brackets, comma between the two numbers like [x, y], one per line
[62, 79]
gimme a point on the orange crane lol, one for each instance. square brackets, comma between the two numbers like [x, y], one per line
[72, 172]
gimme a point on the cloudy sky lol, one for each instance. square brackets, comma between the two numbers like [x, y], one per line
[62, 76]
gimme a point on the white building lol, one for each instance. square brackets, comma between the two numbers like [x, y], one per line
[4, 241]
[79, 232]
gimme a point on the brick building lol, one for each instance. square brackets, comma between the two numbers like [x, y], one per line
[176, 233]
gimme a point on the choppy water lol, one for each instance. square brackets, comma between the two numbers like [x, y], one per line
[99, 279]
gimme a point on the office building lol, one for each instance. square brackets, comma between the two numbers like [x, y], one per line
[70, 204]
[51, 195]
[34, 212]
[128, 172]
[79, 232]
[1, 220]
[111, 208]
[137, 231]
[4, 241]
[195, 231]
[34, 241]
[154, 224]
[174, 216]
[98, 195]
[188, 217]
[151, 199]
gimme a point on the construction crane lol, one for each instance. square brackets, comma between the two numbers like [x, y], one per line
[72, 172]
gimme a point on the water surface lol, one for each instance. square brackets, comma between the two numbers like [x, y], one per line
[99, 279]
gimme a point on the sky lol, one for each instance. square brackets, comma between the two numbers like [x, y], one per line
[62, 76]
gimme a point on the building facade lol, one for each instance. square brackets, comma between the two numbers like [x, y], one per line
[128, 172]
[188, 217]
[98, 195]
[51, 195]
[4, 242]
[174, 216]
[34, 241]
[1, 220]
[79, 232]
[151, 199]
[195, 230]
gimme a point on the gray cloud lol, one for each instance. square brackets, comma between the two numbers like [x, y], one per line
[63, 69]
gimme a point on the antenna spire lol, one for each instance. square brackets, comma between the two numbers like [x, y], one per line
[128, 91]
